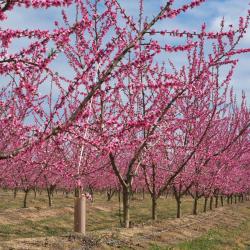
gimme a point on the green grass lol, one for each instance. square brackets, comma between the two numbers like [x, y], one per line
[211, 240]
[216, 239]
[222, 238]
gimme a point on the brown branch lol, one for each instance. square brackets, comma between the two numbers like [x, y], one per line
[106, 74]
[7, 5]
[190, 155]
[116, 170]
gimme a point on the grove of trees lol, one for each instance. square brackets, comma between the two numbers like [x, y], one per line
[124, 117]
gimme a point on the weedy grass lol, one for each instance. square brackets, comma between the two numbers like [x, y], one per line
[216, 239]
[40, 220]
[101, 214]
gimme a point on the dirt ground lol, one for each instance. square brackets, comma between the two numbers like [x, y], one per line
[167, 234]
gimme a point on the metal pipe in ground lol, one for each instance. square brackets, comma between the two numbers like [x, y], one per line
[80, 215]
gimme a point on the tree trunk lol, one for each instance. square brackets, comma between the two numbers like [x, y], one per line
[67, 194]
[25, 198]
[177, 196]
[178, 204]
[195, 205]
[126, 206]
[119, 200]
[110, 194]
[235, 199]
[154, 207]
[216, 201]
[49, 196]
[221, 200]
[211, 203]
[205, 205]
[34, 193]
[154, 199]
[77, 192]
[132, 194]
[143, 194]
[91, 191]
[15, 193]
[242, 197]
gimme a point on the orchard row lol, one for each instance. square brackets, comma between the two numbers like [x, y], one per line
[110, 101]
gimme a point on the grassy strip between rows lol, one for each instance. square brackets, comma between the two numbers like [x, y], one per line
[42, 221]
[216, 239]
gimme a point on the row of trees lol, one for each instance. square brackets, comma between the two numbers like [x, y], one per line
[124, 116]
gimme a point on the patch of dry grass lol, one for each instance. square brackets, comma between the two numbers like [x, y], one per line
[42, 227]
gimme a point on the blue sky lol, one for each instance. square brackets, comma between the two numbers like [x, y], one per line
[210, 12]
